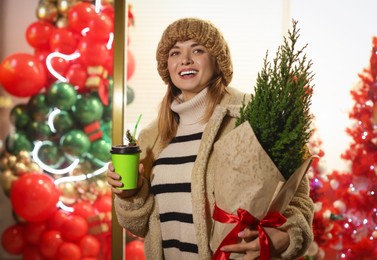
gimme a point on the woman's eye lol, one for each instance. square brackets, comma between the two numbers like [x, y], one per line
[198, 51]
[174, 53]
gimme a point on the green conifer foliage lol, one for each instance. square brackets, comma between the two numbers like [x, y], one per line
[279, 108]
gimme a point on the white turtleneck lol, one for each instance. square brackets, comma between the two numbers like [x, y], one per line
[171, 180]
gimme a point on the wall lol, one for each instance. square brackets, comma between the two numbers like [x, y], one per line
[339, 33]
[15, 16]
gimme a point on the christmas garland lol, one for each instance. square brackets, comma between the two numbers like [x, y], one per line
[278, 110]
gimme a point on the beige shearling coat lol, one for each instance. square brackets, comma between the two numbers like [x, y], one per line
[140, 215]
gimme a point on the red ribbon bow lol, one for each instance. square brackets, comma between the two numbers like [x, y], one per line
[103, 87]
[244, 219]
[103, 91]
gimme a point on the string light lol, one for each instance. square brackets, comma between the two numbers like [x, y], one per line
[37, 146]
[52, 55]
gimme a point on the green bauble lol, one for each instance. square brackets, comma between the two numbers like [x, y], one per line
[88, 109]
[75, 143]
[17, 142]
[38, 131]
[50, 154]
[130, 95]
[19, 116]
[61, 95]
[63, 122]
[107, 128]
[38, 108]
[107, 112]
[100, 149]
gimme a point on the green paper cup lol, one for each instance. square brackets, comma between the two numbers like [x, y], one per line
[125, 160]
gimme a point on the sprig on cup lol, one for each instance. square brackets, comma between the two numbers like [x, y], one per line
[132, 141]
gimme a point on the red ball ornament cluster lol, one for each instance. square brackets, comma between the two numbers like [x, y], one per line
[87, 32]
[48, 232]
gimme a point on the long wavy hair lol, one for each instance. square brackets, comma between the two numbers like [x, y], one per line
[168, 120]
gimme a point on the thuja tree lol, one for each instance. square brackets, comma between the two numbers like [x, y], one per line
[279, 108]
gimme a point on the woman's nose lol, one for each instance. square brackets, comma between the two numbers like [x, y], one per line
[186, 59]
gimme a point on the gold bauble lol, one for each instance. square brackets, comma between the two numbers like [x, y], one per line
[3, 163]
[90, 197]
[64, 6]
[24, 156]
[47, 11]
[68, 193]
[102, 187]
[20, 168]
[62, 22]
[33, 167]
[6, 180]
[107, 2]
[12, 160]
[82, 187]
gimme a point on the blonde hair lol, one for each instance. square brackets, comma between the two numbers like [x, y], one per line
[206, 34]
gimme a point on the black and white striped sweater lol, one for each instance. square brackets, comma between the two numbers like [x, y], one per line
[171, 181]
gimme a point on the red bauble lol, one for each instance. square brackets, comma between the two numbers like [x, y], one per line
[100, 28]
[74, 229]
[57, 219]
[22, 75]
[31, 253]
[83, 209]
[34, 231]
[69, 251]
[79, 16]
[92, 53]
[108, 9]
[76, 75]
[109, 63]
[38, 34]
[50, 243]
[90, 246]
[135, 250]
[63, 40]
[13, 240]
[130, 64]
[34, 197]
[103, 203]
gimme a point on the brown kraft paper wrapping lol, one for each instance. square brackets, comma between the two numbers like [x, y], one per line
[246, 178]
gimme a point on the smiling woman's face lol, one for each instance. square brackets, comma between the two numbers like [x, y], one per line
[191, 67]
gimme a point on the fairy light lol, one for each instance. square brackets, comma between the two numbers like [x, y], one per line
[51, 117]
[85, 31]
[97, 6]
[52, 55]
[37, 146]
[61, 205]
[109, 43]
[81, 177]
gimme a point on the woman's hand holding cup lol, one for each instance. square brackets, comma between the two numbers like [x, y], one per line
[115, 181]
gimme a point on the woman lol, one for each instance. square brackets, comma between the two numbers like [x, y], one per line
[172, 206]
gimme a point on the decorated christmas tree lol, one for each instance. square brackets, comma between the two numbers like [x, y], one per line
[352, 216]
[323, 196]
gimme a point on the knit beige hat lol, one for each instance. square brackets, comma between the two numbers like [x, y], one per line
[206, 34]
